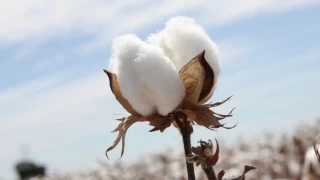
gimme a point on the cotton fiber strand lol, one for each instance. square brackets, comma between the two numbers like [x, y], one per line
[147, 78]
[182, 39]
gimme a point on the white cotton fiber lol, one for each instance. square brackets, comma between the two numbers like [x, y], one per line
[160, 79]
[124, 51]
[147, 78]
[182, 39]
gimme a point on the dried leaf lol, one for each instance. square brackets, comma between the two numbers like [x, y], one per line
[201, 156]
[119, 126]
[203, 116]
[214, 159]
[194, 158]
[115, 88]
[242, 177]
[193, 76]
[191, 115]
[122, 128]
[248, 168]
[219, 103]
[159, 122]
[221, 174]
[222, 116]
[197, 150]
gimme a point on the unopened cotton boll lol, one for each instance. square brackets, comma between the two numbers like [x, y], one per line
[182, 39]
[147, 78]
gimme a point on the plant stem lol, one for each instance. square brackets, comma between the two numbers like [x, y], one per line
[186, 134]
[186, 131]
[211, 175]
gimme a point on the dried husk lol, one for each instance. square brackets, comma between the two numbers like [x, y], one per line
[115, 88]
[198, 114]
[198, 79]
[208, 83]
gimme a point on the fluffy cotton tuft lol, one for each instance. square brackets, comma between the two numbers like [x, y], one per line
[147, 78]
[182, 39]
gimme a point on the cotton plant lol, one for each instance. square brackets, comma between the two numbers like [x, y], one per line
[311, 160]
[166, 79]
[316, 148]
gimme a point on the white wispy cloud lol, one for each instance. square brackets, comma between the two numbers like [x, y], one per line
[33, 20]
[224, 12]
[233, 49]
[134, 21]
[213, 13]
[48, 63]
[50, 100]
[18, 93]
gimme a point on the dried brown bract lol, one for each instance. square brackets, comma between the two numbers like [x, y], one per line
[159, 122]
[202, 115]
[198, 114]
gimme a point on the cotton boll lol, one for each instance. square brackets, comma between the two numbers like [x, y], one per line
[160, 80]
[124, 51]
[147, 78]
[182, 39]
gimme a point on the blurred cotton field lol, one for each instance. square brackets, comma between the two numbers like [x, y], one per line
[278, 157]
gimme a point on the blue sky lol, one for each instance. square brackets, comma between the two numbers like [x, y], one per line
[53, 89]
